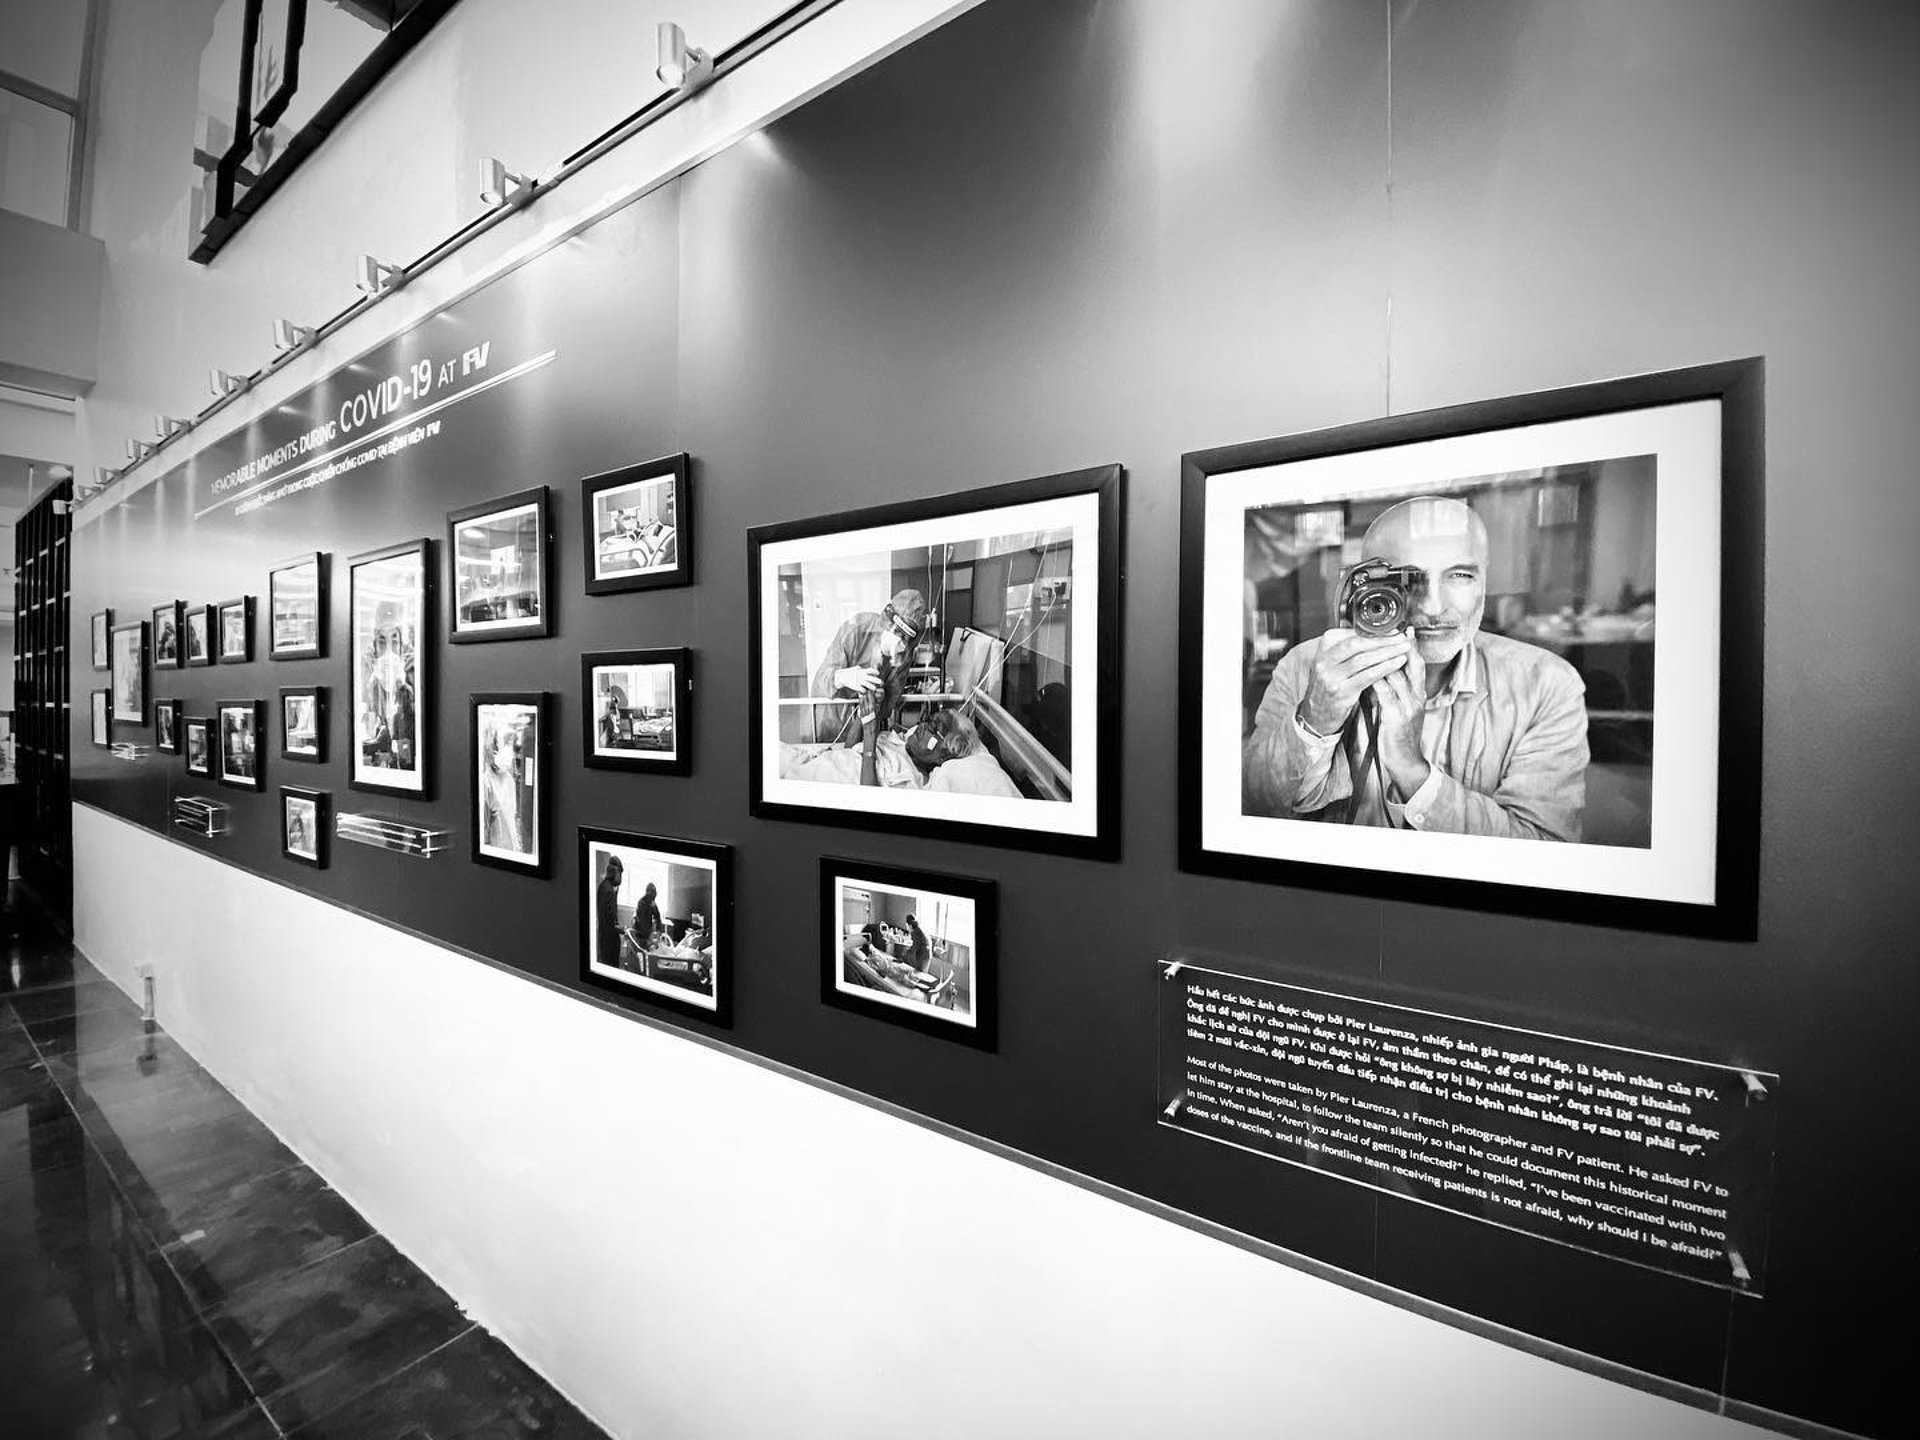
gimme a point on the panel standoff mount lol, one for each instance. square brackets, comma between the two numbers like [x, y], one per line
[389, 832]
[203, 817]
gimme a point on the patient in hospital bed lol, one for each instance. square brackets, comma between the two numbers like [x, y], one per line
[943, 753]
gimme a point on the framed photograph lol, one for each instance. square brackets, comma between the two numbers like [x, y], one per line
[101, 713]
[169, 635]
[498, 569]
[166, 726]
[297, 608]
[389, 595]
[910, 947]
[637, 710]
[947, 666]
[305, 818]
[196, 734]
[128, 644]
[236, 630]
[656, 920]
[240, 723]
[638, 527]
[98, 627]
[303, 723]
[508, 735]
[198, 630]
[1418, 656]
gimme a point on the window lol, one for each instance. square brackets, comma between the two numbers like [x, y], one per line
[44, 84]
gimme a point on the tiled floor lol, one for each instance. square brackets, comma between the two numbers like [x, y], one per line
[168, 1268]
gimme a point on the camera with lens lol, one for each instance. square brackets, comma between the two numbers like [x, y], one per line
[1376, 596]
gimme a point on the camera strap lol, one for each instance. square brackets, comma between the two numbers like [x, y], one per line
[1365, 717]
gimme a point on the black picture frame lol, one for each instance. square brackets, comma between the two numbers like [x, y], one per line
[306, 814]
[624, 551]
[100, 718]
[233, 614]
[483, 607]
[1697, 435]
[166, 726]
[200, 727]
[98, 627]
[244, 721]
[168, 619]
[956, 997]
[500, 797]
[127, 645]
[629, 736]
[390, 593]
[641, 980]
[297, 608]
[1037, 800]
[199, 635]
[307, 751]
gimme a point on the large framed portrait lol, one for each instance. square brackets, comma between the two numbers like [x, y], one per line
[166, 726]
[303, 723]
[169, 636]
[97, 628]
[508, 736]
[297, 608]
[499, 580]
[389, 595]
[1503, 655]
[129, 648]
[198, 627]
[637, 710]
[305, 818]
[910, 947]
[236, 630]
[656, 920]
[946, 666]
[241, 751]
[637, 524]
[196, 735]
[100, 717]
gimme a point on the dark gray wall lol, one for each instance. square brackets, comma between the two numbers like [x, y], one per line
[1048, 237]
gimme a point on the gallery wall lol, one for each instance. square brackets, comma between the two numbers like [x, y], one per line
[897, 292]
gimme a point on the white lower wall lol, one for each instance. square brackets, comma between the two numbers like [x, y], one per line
[690, 1244]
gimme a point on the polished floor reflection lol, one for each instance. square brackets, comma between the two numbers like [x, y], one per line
[168, 1268]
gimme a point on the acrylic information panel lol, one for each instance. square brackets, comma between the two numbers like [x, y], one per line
[1647, 1158]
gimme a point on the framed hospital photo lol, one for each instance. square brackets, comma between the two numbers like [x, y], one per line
[944, 667]
[910, 947]
[507, 734]
[303, 723]
[499, 569]
[97, 628]
[100, 718]
[196, 739]
[297, 608]
[637, 710]
[656, 921]
[1504, 655]
[389, 595]
[128, 644]
[166, 726]
[240, 746]
[235, 629]
[169, 635]
[305, 817]
[637, 527]
[198, 626]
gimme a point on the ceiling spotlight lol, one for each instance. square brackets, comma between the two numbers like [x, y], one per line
[682, 66]
[288, 337]
[375, 277]
[168, 426]
[224, 383]
[501, 186]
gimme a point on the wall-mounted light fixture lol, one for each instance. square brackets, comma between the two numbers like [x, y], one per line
[681, 66]
[138, 450]
[376, 277]
[168, 426]
[288, 337]
[224, 383]
[500, 186]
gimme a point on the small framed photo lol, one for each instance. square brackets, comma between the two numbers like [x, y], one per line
[169, 636]
[656, 920]
[101, 713]
[100, 624]
[129, 647]
[1419, 656]
[236, 630]
[508, 735]
[196, 736]
[297, 608]
[239, 723]
[389, 593]
[911, 947]
[305, 819]
[636, 709]
[499, 573]
[166, 726]
[197, 632]
[638, 527]
[303, 723]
